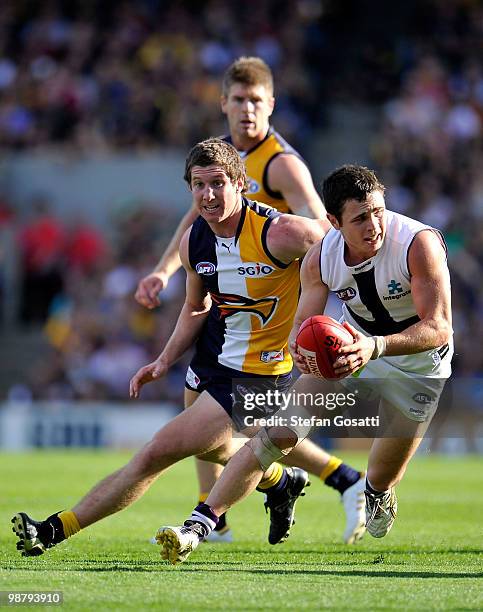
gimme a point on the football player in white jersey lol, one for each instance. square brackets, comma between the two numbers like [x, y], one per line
[369, 256]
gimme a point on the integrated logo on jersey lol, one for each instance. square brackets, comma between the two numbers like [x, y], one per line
[394, 287]
[229, 304]
[205, 267]
[255, 269]
[226, 245]
[268, 356]
[253, 186]
[346, 294]
[396, 291]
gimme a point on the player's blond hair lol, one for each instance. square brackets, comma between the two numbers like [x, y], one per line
[248, 71]
[215, 151]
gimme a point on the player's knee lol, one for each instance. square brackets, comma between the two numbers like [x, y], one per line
[219, 455]
[270, 446]
[157, 455]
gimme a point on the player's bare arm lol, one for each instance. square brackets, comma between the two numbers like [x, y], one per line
[290, 176]
[190, 321]
[147, 292]
[313, 299]
[291, 236]
[431, 293]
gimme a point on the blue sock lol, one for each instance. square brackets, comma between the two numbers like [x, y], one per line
[342, 478]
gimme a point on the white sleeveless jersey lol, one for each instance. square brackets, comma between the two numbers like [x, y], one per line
[376, 293]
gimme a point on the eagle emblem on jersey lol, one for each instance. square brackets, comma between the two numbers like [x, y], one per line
[230, 303]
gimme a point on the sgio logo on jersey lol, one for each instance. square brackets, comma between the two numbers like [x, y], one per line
[255, 269]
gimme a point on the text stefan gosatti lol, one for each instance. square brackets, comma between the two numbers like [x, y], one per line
[313, 421]
[285, 399]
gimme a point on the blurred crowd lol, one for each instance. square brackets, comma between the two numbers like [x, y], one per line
[430, 153]
[77, 284]
[99, 74]
[105, 75]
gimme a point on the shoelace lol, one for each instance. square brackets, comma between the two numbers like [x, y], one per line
[198, 528]
[377, 506]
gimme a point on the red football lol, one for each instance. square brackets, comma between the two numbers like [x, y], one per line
[318, 340]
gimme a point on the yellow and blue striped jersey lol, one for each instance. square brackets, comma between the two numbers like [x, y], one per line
[254, 295]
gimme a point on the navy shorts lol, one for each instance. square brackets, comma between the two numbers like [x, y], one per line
[231, 389]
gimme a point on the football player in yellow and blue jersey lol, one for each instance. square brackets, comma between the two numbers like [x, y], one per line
[241, 262]
[278, 177]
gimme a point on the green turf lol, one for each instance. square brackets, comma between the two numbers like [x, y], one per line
[430, 561]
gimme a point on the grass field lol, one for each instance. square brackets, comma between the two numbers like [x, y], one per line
[430, 561]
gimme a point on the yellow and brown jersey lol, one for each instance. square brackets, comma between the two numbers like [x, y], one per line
[254, 295]
[257, 161]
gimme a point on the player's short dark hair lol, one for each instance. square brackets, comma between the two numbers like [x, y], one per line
[248, 71]
[216, 151]
[349, 182]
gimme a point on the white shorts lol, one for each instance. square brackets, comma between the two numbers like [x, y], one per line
[414, 392]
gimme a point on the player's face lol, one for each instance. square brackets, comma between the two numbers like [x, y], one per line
[248, 108]
[363, 227]
[214, 194]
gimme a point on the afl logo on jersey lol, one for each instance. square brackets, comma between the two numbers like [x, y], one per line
[346, 294]
[253, 186]
[206, 268]
[255, 269]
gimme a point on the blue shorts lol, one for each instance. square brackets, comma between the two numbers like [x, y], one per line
[230, 388]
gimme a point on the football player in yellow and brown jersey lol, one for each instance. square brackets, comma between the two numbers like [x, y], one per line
[278, 177]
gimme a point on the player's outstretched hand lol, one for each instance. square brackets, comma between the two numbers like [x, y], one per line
[353, 356]
[298, 359]
[153, 371]
[147, 292]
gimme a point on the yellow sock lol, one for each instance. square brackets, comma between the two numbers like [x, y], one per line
[70, 523]
[274, 478]
[202, 497]
[330, 468]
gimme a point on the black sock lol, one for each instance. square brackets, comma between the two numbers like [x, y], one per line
[371, 490]
[342, 478]
[221, 522]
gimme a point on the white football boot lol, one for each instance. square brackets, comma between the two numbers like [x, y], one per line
[179, 542]
[381, 511]
[353, 501]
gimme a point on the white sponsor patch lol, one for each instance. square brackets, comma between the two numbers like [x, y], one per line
[268, 356]
[192, 379]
